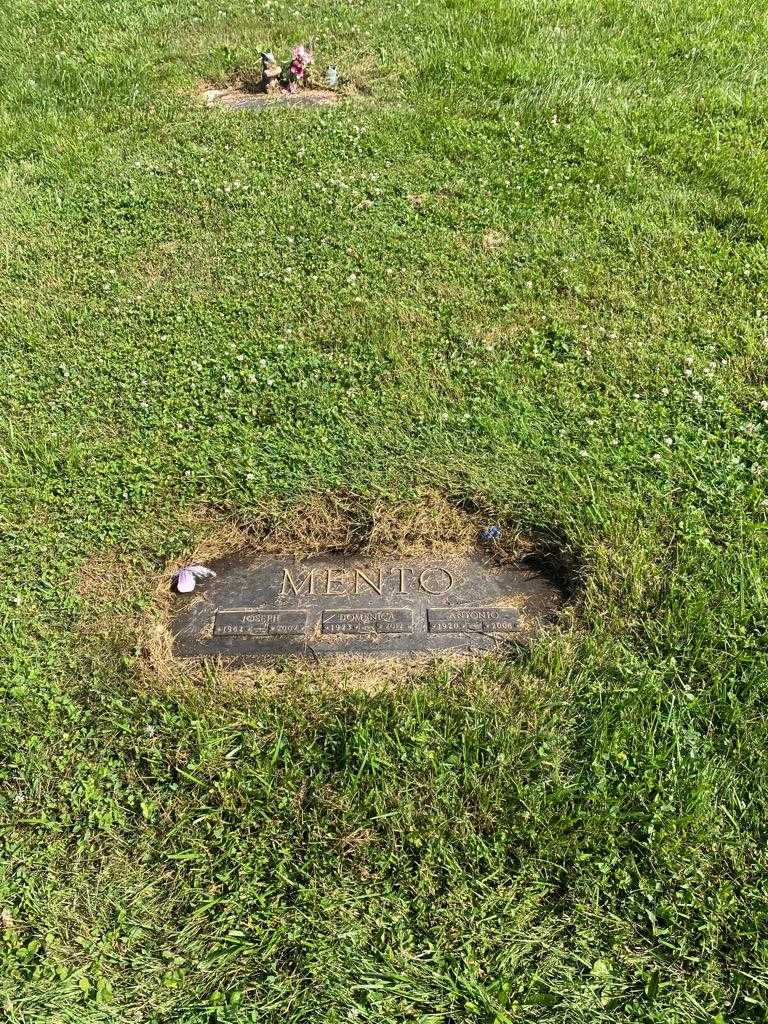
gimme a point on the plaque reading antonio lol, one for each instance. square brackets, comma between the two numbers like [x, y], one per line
[259, 608]
[459, 620]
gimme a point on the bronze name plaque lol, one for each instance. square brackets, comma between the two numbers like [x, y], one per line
[261, 608]
[258, 622]
[459, 620]
[367, 620]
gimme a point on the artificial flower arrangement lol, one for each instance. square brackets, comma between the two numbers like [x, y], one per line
[287, 76]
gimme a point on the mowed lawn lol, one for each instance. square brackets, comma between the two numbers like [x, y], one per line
[522, 271]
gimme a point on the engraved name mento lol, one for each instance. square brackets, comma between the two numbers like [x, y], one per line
[261, 608]
[398, 579]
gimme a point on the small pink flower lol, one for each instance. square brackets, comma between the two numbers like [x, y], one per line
[185, 581]
[301, 55]
[186, 578]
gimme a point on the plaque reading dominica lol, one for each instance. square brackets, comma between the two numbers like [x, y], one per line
[367, 620]
[267, 607]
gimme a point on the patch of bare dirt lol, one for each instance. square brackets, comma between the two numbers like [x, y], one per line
[494, 240]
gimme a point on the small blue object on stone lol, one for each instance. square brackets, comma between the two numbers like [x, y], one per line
[490, 533]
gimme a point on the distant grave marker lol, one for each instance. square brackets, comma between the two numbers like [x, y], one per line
[324, 606]
[243, 99]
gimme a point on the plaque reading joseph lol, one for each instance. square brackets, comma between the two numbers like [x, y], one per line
[259, 608]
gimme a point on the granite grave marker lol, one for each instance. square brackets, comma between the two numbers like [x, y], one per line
[259, 608]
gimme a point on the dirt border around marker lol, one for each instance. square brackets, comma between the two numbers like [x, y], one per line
[111, 584]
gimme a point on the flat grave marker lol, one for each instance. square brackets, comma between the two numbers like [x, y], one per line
[243, 99]
[260, 608]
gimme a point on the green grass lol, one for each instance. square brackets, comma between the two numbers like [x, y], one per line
[239, 311]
